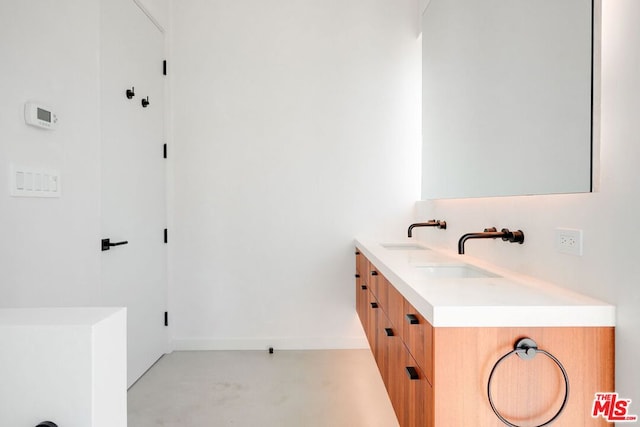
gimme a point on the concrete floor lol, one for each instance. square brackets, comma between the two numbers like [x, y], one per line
[319, 388]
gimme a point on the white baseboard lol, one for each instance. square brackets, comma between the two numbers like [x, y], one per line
[280, 343]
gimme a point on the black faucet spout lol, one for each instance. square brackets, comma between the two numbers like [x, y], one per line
[431, 223]
[492, 233]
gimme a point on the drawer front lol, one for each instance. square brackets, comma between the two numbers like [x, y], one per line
[382, 292]
[374, 278]
[371, 327]
[418, 337]
[362, 301]
[410, 393]
[395, 309]
[362, 289]
[362, 266]
[386, 340]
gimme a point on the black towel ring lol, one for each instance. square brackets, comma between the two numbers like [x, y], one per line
[526, 349]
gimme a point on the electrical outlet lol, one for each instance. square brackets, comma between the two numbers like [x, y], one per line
[569, 241]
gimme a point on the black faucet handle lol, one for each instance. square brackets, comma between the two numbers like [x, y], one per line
[513, 236]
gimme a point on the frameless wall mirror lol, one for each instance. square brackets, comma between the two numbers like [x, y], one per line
[507, 97]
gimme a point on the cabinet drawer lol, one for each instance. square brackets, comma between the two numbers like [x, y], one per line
[362, 300]
[411, 394]
[371, 327]
[362, 288]
[418, 337]
[386, 339]
[362, 266]
[373, 277]
[395, 309]
[382, 292]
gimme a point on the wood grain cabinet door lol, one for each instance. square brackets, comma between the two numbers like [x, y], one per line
[386, 340]
[372, 319]
[418, 337]
[382, 293]
[525, 392]
[418, 395]
[395, 309]
[362, 288]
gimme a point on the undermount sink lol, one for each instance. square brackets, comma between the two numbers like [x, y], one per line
[403, 246]
[452, 272]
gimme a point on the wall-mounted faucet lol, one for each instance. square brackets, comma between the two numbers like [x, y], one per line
[431, 223]
[492, 233]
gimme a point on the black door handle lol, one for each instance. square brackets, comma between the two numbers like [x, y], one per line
[106, 244]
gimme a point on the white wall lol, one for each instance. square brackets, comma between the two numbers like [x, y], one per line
[423, 6]
[157, 11]
[609, 269]
[296, 127]
[49, 252]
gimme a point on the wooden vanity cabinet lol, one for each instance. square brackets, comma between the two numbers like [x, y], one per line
[438, 376]
[406, 383]
[405, 380]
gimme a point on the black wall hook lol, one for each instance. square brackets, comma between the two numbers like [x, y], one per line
[131, 93]
[145, 102]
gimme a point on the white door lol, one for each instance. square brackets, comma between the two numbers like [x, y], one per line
[133, 179]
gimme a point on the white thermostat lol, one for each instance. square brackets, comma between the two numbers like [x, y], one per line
[40, 115]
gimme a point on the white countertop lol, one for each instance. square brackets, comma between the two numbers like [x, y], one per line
[506, 300]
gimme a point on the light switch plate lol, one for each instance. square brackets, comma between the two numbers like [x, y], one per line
[30, 182]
